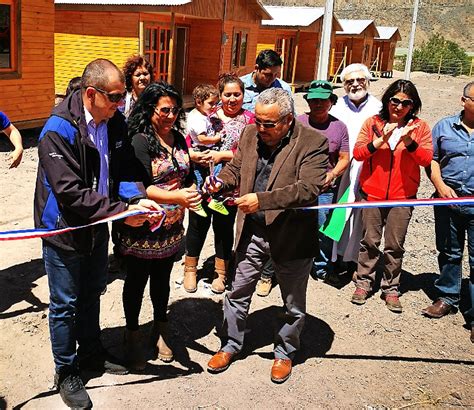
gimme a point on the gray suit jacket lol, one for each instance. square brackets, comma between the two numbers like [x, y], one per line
[297, 175]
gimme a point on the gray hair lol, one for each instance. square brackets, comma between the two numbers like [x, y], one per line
[467, 88]
[97, 73]
[351, 68]
[280, 97]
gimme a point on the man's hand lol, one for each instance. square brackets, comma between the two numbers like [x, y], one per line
[143, 205]
[248, 203]
[445, 191]
[15, 157]
[212, 185]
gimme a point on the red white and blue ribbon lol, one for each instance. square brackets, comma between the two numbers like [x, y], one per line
[43, 233]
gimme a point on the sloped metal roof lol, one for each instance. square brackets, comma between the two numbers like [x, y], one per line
[386, 33]
[293, 16]
[354, 26]
[126, 2]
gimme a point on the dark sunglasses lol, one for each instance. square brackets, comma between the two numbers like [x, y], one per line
[360, 80]
[319, 85]
[405, 103]
[267, 125]
[113, 97]
[167, 110]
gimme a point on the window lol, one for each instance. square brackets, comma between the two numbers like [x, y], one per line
[8, 36]
[157, 50]
[239, 48]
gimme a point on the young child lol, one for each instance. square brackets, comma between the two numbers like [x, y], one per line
[205, 134]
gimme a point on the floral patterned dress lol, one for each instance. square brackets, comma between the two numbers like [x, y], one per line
[168, 171]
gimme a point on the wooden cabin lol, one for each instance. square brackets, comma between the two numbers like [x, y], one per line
[383, 51]
[26, 61]
[187, 42]
[354, 44]
[295, 33]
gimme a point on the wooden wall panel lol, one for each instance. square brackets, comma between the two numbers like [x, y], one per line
[308, 55]
[30, 97]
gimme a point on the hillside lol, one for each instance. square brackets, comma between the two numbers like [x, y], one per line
[451, 19]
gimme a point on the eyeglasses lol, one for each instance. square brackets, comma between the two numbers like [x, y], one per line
[468, 98]
[267, 125]
[113, 97]
[167, 110]
[405, 103]
[360, 80]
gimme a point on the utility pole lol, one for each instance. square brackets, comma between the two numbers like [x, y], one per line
[411, 43]
[323, 63]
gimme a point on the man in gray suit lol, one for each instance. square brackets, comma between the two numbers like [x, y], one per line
[280, 165]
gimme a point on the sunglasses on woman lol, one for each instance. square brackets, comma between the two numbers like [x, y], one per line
[167, 110]
[405, 103]
[113, 97]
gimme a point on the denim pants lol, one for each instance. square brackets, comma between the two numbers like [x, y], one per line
[322, 262]
[75, 285]
[451, 226]
[251, 255]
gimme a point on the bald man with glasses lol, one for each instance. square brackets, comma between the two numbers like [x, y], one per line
[280, 165]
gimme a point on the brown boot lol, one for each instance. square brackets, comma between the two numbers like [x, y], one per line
[133, 350]
[190, 273]
[160, 340]
[220, 267]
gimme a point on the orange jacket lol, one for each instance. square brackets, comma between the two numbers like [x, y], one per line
[388, 174]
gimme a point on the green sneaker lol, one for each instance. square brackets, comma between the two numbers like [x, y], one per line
[200, 211]
[218, 207]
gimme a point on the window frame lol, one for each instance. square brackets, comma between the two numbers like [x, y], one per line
[236, 57]
[13, 70]
[158, 56]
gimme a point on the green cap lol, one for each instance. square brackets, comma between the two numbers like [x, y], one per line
[319, 89]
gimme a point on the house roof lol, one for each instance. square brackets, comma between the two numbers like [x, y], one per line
[292, 16]
[386, 33]
[355, 27]
[126, 2]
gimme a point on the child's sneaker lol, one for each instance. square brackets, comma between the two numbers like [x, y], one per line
[218, 207]
[200, 211]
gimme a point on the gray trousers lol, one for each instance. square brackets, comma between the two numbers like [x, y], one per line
[252, 254]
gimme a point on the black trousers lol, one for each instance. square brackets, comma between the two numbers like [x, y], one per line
[138, 271]
[222, 225]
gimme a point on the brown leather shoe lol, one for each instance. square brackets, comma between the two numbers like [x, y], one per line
[437, 309]
[220, 362]
[281, 370]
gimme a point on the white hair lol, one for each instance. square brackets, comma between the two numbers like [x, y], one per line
[279, 96]
[351, 68]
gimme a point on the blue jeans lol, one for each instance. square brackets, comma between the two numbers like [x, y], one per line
[451, 226]
[322, 265]
[75, 285]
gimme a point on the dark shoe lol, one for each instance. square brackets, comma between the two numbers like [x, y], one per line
[102, 361]
[220, 362]
[281, 370]
[393, 303]
[134, 356]
[72, 391]
[359, 297]
[438, 309]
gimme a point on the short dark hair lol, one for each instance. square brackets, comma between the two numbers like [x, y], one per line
[229, 78]
[140, 117]
[401, 86]
[131, 65]
[73, 85]
[467, 88]
[268, 58]
[96, 73]
[203, 91]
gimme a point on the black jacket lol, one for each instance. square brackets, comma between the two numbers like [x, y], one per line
[68, 174]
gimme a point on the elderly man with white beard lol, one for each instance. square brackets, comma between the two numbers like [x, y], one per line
[353, 109]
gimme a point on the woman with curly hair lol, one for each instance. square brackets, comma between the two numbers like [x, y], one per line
[160, 148]
[138, 75]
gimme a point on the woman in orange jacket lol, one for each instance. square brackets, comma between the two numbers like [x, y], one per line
[393, 145]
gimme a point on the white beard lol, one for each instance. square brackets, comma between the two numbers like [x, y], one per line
[357, 95]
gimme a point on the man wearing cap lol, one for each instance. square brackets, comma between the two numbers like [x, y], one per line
[353, 109]
[320, 99]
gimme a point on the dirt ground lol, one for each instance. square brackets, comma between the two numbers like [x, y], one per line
[351, 357]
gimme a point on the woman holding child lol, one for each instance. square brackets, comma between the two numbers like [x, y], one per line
[160, 148]
[229, 120]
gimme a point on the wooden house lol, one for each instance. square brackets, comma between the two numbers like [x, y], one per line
[295, 33]
[26, 60]
[383, 50]
[354, 44]
[187, 42]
